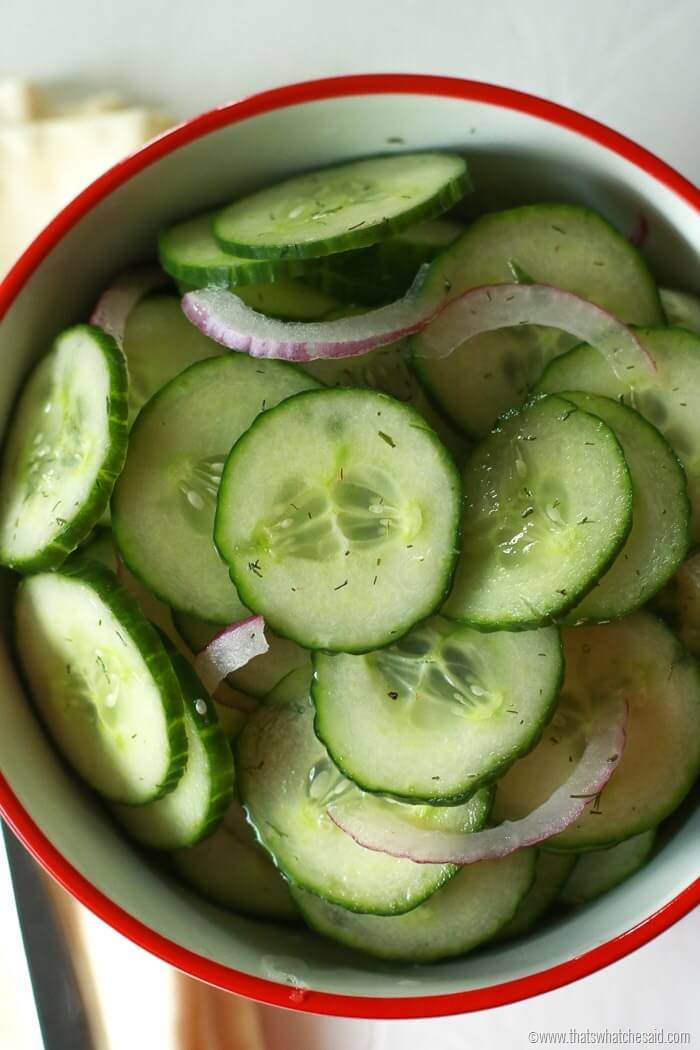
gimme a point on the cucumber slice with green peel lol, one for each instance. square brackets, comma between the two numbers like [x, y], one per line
[163, 505]
[231, 869]
[551, 872]
[348, 539]
[347, 206]
[262, 673]
[682, 603]
[666, 397]
[641, 658]
[388, 369]
[231, 720]
[286, 781]
[196, 806]
[468, 911]
[563, 245]
[189, 252]
[682, 309]
[102, 682]
[597, 872]
[446, 707]
[99, 547]
[660, 516]
[548, 504]
[64, 449]
[386, 270]
[159, 343]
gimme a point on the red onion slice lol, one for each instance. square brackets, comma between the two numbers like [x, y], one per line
[229, 650]
[397, 836]
[223, 317]
[112, 309]
[226, 319]
[508, 305]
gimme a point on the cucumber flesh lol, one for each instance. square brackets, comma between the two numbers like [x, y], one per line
[563, 245]
[262, 673]
[551, 872]
[469, 910]
[548, 503]
[389, 369]
[194, 808]
[189, 252]
[439, 712]
[597, 872]
[102, 682]
[65, 447]
[658, 540]
[286, 782]
[666, 398]
[231, 869]
[361, 513]
[164, 503]
[682, 309]
[159, 343]
[343, 207]
[386, 270]
[661, 683]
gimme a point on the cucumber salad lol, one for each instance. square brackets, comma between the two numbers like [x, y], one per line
[355, 554]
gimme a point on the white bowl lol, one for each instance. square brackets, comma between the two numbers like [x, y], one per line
[520, 149]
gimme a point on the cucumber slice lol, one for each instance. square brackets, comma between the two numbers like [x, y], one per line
[65, 447]
[667, 397]
[188, 252]
[286, 781]
[100, 548]
[684, 603]
[197, 805]
[597, 872]
[263, 673]
[469, 910]
[661, 683]
[548, 503]
[102, 682]
[163, 505]
[551, 872]
[439, 712]
[682, 309]
[231, 720]
[388, 369]
[343, 207]
[159, 343]
[348, 539]
[386, 270]
[559, 244]
[660, 516]
[231, 869]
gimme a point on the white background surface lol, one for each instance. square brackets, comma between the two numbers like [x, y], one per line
[631, 63]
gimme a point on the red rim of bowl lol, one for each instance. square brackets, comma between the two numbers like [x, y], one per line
[12, 810]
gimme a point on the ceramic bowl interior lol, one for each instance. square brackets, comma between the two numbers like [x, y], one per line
[516, 156]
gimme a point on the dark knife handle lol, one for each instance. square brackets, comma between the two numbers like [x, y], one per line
[59, 1005]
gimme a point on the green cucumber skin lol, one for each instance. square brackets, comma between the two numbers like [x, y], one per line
[235, 274]
[554, 615]
[547, 886]
[573, 619]
[66, 541]
[146, 639]
[242, 584]
[450, 194]
[219, 753]
[573, 896]
[485, 781]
